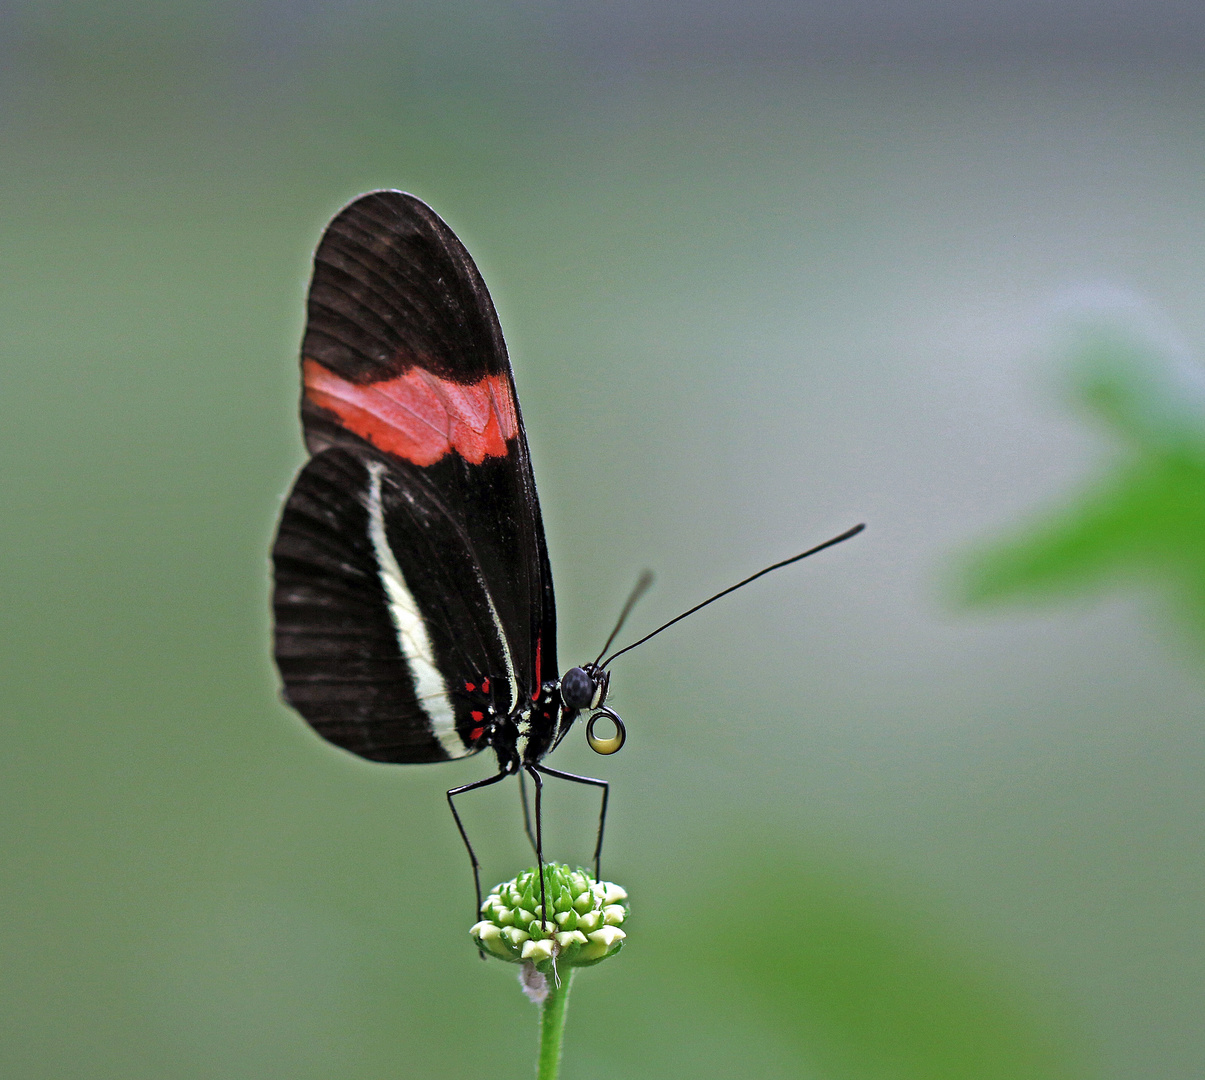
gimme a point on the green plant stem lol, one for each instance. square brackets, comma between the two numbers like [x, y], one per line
[552, 1027]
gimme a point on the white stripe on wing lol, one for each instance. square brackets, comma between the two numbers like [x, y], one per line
[430, 688]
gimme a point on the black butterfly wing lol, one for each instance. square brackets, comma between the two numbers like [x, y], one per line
[413, 590]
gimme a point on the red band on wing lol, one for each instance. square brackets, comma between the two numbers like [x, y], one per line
[419, 416]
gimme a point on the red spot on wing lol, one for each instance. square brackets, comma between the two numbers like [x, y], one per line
[419, 416]
[476, 734]
[478, 716]
[536, 692]
[470, 687]
[485, 686]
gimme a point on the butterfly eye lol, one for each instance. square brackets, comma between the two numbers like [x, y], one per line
[577, 689]
[606, 746]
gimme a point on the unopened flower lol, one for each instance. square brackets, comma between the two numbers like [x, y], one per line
[584, 924]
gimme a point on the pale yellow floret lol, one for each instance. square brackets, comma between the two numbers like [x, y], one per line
[517, 937]
[608, 935]
[538, 951]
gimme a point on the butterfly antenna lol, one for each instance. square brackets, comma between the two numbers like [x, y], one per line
[732, 588]
[638, 590]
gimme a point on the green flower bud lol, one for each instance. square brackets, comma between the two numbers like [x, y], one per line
[584, 928]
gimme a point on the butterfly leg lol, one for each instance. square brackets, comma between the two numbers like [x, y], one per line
[602, 813]
[540, 840]
[465, 836]
[526, 815]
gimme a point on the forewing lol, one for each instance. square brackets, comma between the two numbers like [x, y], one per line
[402, 343]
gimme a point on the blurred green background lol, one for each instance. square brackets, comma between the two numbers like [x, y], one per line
[765, 271]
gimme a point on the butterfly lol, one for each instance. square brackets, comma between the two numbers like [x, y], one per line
[415, 619]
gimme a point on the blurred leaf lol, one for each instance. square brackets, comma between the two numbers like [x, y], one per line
[864, 985]
[1145, 520]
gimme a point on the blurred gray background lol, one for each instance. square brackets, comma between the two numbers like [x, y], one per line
[765, 270]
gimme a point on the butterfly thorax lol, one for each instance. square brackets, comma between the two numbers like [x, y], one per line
[526, 736]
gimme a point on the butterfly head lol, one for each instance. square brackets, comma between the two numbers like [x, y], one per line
[585, 688]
